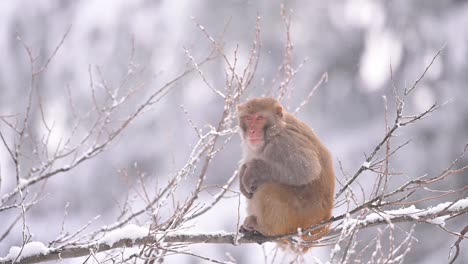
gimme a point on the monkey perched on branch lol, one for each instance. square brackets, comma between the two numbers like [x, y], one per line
[286, 172]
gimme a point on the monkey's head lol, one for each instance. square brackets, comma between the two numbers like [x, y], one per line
[259, 120]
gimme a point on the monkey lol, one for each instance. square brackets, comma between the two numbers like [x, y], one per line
[286, 173]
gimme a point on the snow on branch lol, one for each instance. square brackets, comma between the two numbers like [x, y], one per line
[433, 215]
[30, 249]
[134, 236]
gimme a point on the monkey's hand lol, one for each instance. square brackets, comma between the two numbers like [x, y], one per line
[254, 175]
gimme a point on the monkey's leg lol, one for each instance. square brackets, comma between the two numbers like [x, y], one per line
[282, 209]
[274, 214]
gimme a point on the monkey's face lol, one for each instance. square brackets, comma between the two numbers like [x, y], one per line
[253, 128]
[258, 120]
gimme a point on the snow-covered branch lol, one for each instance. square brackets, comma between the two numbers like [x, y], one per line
[135, 236]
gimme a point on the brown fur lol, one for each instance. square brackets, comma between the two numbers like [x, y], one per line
[289, 179]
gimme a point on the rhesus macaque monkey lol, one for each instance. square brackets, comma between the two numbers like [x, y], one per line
[286, 172]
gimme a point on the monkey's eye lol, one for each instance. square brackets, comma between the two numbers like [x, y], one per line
[259, 118]
[248, 118]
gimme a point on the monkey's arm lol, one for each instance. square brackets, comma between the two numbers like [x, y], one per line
[253, 175]
[241, 182]
[290, 172]
[292, 164]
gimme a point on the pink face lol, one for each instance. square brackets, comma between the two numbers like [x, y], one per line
[255, 124]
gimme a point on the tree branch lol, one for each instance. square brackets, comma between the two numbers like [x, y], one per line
[409, 214]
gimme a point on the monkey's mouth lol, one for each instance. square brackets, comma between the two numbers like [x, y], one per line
[255, 141]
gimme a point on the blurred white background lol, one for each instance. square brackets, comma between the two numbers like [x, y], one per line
[354, 41]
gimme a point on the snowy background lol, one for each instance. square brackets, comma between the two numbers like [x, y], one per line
[353, 41]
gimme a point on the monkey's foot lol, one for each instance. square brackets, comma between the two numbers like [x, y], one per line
[246, 231]
[249, 226]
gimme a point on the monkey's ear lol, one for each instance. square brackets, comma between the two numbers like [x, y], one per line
[279, 110]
